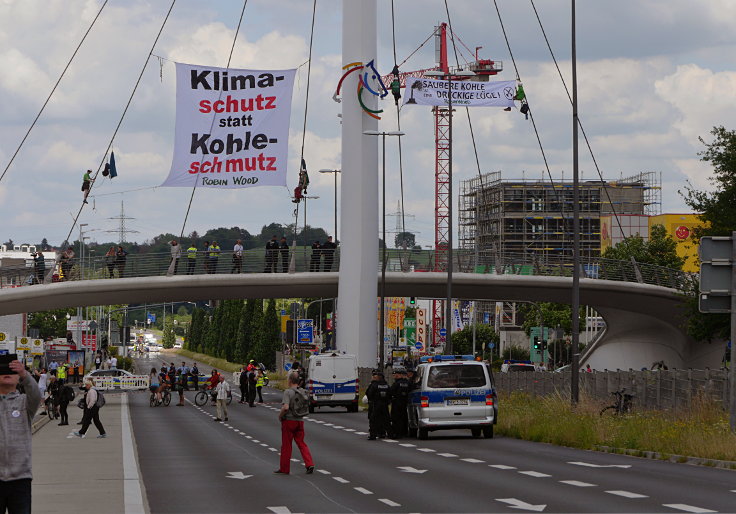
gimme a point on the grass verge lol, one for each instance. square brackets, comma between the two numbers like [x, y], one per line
[700, 431]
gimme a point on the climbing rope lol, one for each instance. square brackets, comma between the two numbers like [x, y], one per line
[122, 117]
[214, 115]
[398, 127]
[53, 89]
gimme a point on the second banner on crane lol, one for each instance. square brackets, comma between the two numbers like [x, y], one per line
[424, 91]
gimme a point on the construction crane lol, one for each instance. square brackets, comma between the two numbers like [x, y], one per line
[483, 69]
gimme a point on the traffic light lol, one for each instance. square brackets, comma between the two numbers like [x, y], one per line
[413, 300]
[536, 344]
[544, 345]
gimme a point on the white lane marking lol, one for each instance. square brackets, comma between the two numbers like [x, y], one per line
[281, 509]
[329, 425]
[409, 469]
[426, 450]
[535, 474]
[363, 490]
[473, 461]
[341, 480]
[390, 441]
[389, 502]
[255, 440]
[249, 437]
[319, 421]
[407, 445]
[337, 426]
[132, 485]
[294, 460]
[323, 471]
[361, 433]
[264, 444]
[627, 494]
[589, 465]
[447, 455]
[237, 474]
[518, 504]
[349, 430]
[577, 483]
[500, 466]
[273, 449]
[686, 508]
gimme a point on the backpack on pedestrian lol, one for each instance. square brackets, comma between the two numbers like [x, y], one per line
[100, 400]
[67, 394]
[300, 403]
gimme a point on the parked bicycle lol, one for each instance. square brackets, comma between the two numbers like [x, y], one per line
[622, 405]
[165, 399]
[200, 398]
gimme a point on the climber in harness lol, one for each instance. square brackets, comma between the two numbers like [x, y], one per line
[301, 189]
[87, 181]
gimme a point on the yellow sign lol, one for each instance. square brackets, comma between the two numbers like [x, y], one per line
[421, 328]
[36, 347]
[284, 319]
[3, 336]
[680, 227]
[23, 344]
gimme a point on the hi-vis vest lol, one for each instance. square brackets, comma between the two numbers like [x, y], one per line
[214, 251]
[192, 252]
[259, 382]
[61, 371]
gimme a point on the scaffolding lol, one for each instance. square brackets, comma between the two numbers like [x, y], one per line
[533, 218]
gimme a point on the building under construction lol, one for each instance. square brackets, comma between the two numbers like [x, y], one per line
[533, 219]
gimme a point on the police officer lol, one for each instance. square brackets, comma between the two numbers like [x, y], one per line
[191, 259]
[316, 258]
[214, 255]
[379, 398]
[272, 248]
[328, 250]
[284, 251]
[399, 401]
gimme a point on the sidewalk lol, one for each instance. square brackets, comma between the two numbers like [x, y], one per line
[90, 475]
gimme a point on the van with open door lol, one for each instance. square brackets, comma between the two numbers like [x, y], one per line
[332, 381]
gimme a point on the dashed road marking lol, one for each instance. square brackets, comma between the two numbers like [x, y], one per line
[473, 461]
[390, 441]
[323, 471]
[535, 474]
[389, 502]
[337, 426]
[426, 450]
[349, 430]
[577, 483]
[500, 466]
[363, 490]
[407, 445]
[627, 494]
[447, 455]
[341, 480]
[361, 433]
[686, 508]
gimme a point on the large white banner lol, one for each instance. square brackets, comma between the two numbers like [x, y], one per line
[232, 127]
[466, 93]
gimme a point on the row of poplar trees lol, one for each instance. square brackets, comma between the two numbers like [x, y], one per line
[237, 331]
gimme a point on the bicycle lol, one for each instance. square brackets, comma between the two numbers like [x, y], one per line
[622, 405]
[201, 397]
[165, 399]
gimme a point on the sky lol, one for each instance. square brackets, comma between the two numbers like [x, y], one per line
[653, 77]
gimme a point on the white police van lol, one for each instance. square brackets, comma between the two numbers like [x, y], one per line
[452, 392]
[332, 381]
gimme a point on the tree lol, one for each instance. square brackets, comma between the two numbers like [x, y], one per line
[405, 240]
[256, 330]
[717, 208]
[50, 323]
[660, 249]
[549, 315]
[269, 339]
[168, 339]
[462, 340]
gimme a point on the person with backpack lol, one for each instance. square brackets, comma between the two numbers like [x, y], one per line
[294, 406]
[93, 401]
[252, 379]
[65, 396]
[243, 385]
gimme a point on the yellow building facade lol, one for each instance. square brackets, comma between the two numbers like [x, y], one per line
[681, 227]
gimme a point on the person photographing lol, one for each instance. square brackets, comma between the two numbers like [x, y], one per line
[16, 414]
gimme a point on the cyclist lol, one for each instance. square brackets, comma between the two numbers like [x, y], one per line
[153, 380]
[211, 384]
[164, 382]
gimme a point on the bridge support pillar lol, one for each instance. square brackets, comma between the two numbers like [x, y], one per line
[357, 311]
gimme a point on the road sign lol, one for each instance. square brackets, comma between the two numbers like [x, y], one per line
[443, 332]
[37, 347]
[716, 248]
[3, 336]
[716, 272]
[714, 303]
[418, 346]
[151, 318]
[491, 346]
[72, 325]
[287, 366]
[305, 331]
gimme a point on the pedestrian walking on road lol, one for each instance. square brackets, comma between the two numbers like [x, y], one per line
[294, 406]
[222, 389]
[65, 395]
[243, 385]
[98, 361]
[91, 411]
[16, 411]
[284, 251]
[379, 398]
[195, 376]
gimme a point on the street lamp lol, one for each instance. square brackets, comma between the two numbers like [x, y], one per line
[448, 308]
[382, 344]
[335, 172]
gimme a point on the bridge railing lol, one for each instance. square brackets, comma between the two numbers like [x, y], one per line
[303, 259]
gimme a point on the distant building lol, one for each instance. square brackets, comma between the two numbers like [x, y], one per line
[16, 264]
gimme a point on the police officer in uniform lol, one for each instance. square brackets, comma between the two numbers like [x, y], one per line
[272, 248]
[316, 258]
[328, 251]
[379, 398]
[399, 401]
[284, 251]
[191, 259]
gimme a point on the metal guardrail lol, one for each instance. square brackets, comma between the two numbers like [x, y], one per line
[301, 260]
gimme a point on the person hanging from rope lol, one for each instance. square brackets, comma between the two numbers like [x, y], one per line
[301, 189]
[87, 181]
[396, 85]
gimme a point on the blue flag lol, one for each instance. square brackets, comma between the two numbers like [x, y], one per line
[113, 170]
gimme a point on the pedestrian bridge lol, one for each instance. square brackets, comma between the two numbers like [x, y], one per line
[642, 306]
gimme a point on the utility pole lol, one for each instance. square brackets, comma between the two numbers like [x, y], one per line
[122, 229]
[574, 377]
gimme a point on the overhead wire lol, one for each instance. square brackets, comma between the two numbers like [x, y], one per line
[580, 123]
[534, 125]
[53, 89]
[122, 117]
[398, 127]
[214, 116]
